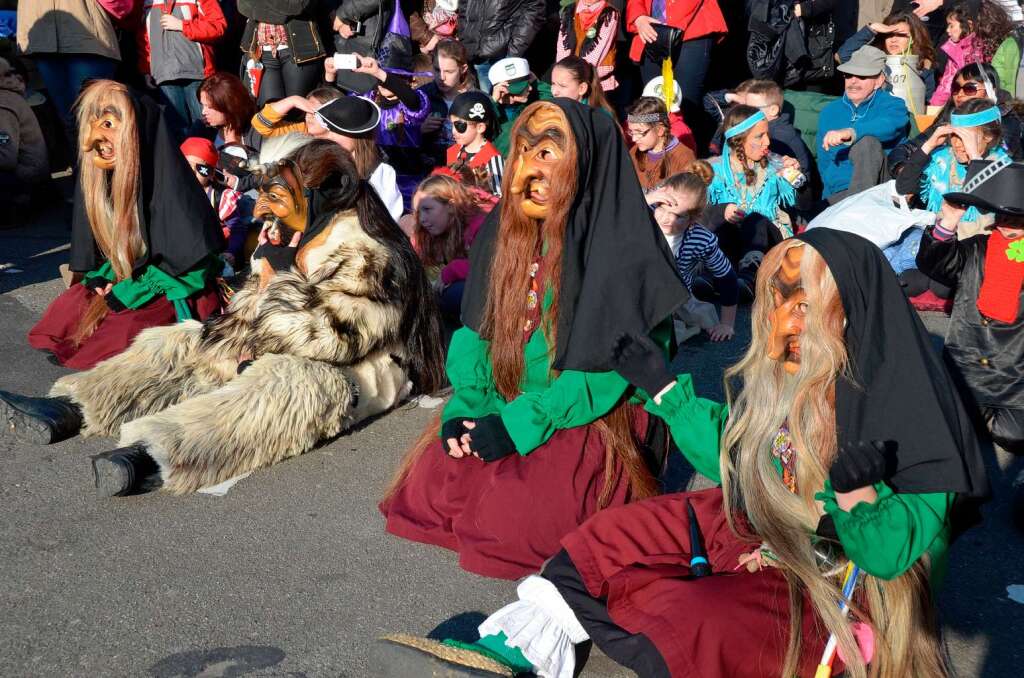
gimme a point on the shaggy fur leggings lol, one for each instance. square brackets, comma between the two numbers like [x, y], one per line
[201, 422]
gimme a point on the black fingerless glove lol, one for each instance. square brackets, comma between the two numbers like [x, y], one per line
[97, 283]
[280, 257]
[859, 464]
[113, 303]
[641, 363]
[452, 428]
[490, 439]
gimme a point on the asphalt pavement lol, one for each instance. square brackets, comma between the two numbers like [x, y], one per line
[291, 573]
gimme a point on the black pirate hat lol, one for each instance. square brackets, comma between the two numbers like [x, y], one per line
[474, 106]
[993, 186]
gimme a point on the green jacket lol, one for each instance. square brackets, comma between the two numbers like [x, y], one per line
[884, 538]
[151, 282]
[1006, 61]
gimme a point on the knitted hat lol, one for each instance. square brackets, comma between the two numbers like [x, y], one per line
[200, 148]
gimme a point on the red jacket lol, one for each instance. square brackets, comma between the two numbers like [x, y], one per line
[205, 26]
[696, 18]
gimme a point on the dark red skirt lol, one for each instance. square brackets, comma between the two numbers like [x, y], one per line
[505, 518]
[115, 332]
[731, 623]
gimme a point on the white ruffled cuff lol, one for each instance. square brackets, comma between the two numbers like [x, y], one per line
[542, 625]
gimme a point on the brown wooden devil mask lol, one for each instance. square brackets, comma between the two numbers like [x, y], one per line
[281, 201]
[788, 316]
[540, 149]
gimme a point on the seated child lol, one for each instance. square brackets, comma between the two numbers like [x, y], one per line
[234, 209]
[678, 202]
[656, 154]
[987, 269]
[474, 123]
[680, 130]
[445, 222]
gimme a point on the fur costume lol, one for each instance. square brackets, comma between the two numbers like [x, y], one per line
[334, 339]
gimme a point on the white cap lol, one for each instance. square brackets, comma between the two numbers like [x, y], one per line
[507, 69]
[655, 89]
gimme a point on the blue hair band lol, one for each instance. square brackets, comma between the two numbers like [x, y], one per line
[741, 127]
[976, 119]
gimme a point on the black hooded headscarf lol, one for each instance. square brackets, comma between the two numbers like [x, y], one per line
[899, 391]
[178, 224]
[618, 275]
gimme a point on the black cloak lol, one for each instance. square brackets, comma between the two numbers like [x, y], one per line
[900, 392]
[618, 275]
[178, 223]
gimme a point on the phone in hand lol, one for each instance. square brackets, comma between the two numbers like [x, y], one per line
[346, 62]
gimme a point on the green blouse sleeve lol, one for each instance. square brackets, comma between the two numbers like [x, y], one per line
[572, 399]
[888, 536]
[1005, 62]
[696, 425]
[469, 370]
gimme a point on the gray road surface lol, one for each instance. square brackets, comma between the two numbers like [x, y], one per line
[291, 574]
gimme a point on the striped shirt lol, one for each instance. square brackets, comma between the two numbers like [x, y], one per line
[699, 245]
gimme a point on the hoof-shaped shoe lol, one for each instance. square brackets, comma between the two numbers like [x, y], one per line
[403, 656]
[39, 420]
[124, 471]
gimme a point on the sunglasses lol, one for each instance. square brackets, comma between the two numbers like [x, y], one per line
[969, 88]
[851, 76]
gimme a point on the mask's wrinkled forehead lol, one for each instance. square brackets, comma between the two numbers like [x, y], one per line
[787, 280]
[547, 122]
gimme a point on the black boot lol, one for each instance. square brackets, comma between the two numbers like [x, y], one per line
[126, 470]
[39, 420]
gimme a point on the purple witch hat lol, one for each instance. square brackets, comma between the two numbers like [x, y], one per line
[395, 52]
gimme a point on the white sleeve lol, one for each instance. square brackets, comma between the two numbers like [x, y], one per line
[385, 182]
[542, 625]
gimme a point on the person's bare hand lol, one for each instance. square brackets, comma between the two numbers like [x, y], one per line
[790, 163]
[369, 66]
[880, 28]
[971, 140]
[330, 72]
[344, 30]
[940, 137]
[733, 214]
[500, 91]
[284, 106]
[837, 137]
[721, 332]
[430, 44]
[645, 29]
[104, 291]
[169, 22]
[950, 215]
[926, 7]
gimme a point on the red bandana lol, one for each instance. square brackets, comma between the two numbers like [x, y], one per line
[1001, 282]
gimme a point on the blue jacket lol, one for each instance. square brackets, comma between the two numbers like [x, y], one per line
[882, 116]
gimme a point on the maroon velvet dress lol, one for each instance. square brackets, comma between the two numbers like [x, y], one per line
[733, 623]
[505, 518]
[115, 332]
